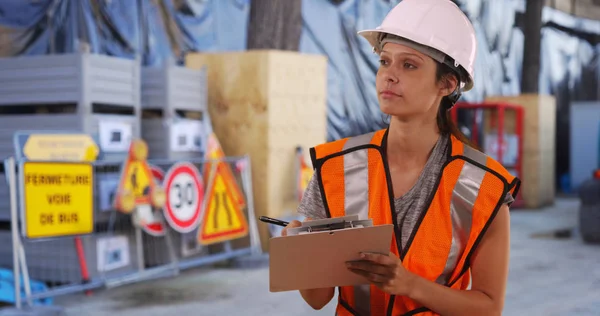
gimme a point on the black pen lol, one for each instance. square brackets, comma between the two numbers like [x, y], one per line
[273, 221]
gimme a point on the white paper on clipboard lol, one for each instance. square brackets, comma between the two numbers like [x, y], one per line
[115, 136]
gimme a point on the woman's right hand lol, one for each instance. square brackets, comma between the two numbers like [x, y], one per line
[292, 224]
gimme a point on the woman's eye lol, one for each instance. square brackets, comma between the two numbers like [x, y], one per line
[383, 62]
[409, 66]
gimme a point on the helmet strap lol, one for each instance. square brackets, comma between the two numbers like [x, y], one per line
[454, 96]
[460, 75]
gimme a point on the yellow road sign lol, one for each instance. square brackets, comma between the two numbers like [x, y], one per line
[137, 179]
[306, 174]
[64, 147]
[136, 185]
[224, 219]
[58, 199]
[215, 152]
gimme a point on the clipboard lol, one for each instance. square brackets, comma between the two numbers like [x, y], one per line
[315, 254]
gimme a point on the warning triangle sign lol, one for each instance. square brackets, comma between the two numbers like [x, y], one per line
[136, 185]
[137, 178]
[223, 219]
[305, 173]
[214, 152]
[156, 227]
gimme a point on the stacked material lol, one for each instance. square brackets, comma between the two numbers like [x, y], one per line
[174, 104]
[97, 95]
[265, 104]
[539, 133]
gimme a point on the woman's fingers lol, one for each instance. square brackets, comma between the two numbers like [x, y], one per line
[371, 277]
[292, 224]
[369, 267]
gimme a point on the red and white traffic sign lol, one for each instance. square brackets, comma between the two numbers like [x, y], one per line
[185, 193]
[157, 173]
[156, 228]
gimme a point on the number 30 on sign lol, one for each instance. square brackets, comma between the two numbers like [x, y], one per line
[185, 193]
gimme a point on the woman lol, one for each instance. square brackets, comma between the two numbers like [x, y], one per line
[449, 203]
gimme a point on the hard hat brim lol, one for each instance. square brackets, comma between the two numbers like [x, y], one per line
[372, 36]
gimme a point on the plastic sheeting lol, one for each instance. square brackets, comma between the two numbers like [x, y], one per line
[156, 31]
[570, 61]
[331, 30]
[500, 48]
[570, 70]
[352, 103]
[36, 27]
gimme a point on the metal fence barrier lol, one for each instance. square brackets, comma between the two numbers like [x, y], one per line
[117, 252]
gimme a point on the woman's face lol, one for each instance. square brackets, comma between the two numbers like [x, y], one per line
[406, 83]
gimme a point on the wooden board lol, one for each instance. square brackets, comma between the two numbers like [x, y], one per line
[587, 9]
[265, 103]
[539, 134]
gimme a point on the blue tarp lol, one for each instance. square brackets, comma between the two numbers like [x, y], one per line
[8, 293]
[156, 31]
[331, 30]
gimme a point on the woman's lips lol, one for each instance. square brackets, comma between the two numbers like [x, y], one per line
[388, 94]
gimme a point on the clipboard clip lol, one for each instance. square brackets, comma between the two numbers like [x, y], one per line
[330, 226]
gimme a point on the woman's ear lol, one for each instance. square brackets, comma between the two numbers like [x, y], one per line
[451, 85]
[448, 85]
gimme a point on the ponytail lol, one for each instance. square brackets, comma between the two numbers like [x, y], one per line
[446, 125]
[444, 121]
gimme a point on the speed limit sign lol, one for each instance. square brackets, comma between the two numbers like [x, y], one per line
[185, 192]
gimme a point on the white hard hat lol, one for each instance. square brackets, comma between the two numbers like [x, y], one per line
[436, 24]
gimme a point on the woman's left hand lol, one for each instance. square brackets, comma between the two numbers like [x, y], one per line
[385, 272]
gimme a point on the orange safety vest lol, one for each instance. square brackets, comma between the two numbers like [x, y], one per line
[354, 179]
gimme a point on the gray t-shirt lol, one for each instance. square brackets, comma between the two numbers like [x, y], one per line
[408, 207]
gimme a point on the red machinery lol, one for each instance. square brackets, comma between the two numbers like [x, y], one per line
[497, 122]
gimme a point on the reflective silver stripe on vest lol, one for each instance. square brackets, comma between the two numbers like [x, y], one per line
[356, 201]
[462, 202]
[356, 177]
[475, 155]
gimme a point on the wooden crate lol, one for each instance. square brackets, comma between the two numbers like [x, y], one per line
[539, 181]
[265, 103]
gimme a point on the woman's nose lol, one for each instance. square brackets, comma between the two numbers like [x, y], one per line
[391, 78]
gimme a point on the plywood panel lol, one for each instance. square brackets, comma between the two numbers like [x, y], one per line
[538, 188]
[587, 9]
[265, 103]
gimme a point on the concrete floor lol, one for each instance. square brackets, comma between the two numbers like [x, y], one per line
[548, 276]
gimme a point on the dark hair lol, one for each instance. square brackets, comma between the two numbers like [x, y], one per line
[444, 121]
